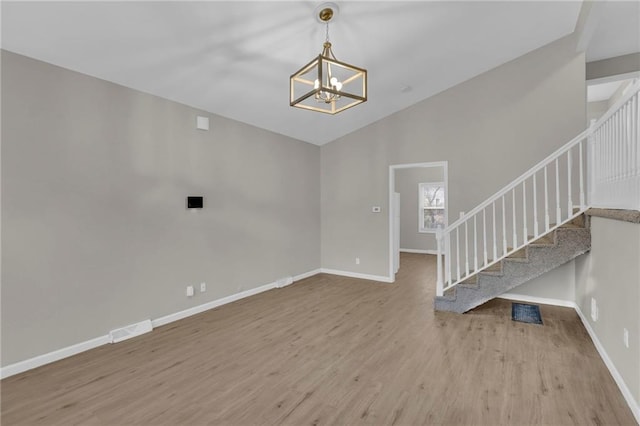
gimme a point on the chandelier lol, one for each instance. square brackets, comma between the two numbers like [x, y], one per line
[326, 84]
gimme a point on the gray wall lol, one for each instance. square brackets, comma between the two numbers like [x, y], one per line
[595, 110]
[558, 284]
[407, 181]
[95, 230]
[610, 273]
[491, 129]
[618, 65]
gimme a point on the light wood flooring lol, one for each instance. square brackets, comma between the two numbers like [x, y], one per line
[333, 351]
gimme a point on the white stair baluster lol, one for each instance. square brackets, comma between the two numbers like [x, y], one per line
[466, 248]
[475, 244]
[495, 234]
[504, 227]
[484, 235]
[535, 207]
[447, 259]
[581, 159]
[546, 202]
[458, 253]
[569, 199]
[558, 211]
[525, 235]
[513, 209]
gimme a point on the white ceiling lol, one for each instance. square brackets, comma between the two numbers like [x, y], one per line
[234, 58]
[618, 31]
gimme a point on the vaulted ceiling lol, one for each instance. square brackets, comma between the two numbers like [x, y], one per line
[234, 58]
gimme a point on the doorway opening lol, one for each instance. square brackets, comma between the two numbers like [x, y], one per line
[415, 215]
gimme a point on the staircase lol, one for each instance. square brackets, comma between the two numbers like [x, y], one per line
[554, 249]
[509, 239]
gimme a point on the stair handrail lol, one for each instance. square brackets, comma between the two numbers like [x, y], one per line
[518, 180]
[443, 237]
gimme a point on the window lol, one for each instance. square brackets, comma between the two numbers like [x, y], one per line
[432, 213]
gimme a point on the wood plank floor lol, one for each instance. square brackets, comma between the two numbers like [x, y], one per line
[335, 351]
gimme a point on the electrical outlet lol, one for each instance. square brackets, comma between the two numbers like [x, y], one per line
[594, 310]
[203, 287]
[625, 337]
[189, 291]
[357, 260]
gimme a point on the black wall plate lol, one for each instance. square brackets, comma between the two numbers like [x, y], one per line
[194, 202]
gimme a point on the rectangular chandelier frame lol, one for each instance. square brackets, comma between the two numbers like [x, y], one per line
[353, 91]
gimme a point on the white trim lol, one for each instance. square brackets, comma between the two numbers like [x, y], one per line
[535, 299]
[350, 274]
[219, 302]
[626, 393]
[392, 184]
[130, 331]
[40, 360]
[210, 305]
[405, 250]
[306, 275]
[50, 357]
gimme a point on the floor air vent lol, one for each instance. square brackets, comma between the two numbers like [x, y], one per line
[526, 313]
[133, 330]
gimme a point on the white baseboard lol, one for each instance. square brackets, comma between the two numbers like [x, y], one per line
[306, 275]
[31, 363]
[539, 300]
[210, 305]
[22, 366]
[356, 275]
[404, 250]
[626, 393]
[40, 360]
[219, 302]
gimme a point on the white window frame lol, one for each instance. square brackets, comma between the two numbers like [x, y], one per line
[421, 209]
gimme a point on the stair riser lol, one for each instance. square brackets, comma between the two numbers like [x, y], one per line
[571, 243]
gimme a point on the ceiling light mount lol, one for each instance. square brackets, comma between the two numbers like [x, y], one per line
[326, 84]
[326, 12]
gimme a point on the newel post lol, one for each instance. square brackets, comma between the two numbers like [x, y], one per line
[439, 280]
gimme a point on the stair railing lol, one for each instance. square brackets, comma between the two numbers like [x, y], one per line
[605, 159]
[614, 156]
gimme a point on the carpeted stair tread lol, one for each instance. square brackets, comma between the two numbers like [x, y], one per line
[495, 268]
[571, 226]
[470, 281]
[545, 240]
[543, 254]
[520, 254]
